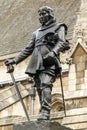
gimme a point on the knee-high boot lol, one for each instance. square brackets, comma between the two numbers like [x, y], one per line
[39, 91]
[45, 103]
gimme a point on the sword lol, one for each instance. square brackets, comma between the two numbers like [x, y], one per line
[62, 94]
[10, 70]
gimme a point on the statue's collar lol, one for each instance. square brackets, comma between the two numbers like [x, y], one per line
[46, 27]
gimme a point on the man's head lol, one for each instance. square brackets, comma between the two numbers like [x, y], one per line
[45, 14]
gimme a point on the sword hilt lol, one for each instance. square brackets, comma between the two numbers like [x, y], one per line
[10, 68]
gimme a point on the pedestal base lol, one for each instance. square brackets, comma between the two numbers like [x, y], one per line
[39, 125]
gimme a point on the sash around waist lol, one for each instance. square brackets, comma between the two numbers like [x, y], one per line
[40, 44]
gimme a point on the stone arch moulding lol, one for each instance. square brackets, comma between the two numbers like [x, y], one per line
[56, 103]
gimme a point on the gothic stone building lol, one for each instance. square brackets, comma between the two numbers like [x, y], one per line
[18, 19]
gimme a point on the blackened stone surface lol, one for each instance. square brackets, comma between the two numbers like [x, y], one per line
[39, 125]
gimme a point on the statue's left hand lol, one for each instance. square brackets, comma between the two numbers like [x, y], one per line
[50, 54]
[48, 60]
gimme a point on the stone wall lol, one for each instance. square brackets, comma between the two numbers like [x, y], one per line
[19, 18]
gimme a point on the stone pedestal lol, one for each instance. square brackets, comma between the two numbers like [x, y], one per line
[39, 125]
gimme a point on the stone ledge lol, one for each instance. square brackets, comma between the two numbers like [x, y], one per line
[75, 94]
[77, 111]
[74, 119]
[79, 126]
[40, 125]
[14, 119]
[54, 116]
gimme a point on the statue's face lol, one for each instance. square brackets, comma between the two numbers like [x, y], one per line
[43, 17]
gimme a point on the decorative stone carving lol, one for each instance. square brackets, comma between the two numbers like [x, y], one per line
[57, 103]
[79, 33]
[69, 60]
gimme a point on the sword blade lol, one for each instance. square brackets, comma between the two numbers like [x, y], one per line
[62, 94]
[19, 95]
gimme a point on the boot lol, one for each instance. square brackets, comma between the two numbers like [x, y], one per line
[45, 104]
[39, 91]
[44, 115]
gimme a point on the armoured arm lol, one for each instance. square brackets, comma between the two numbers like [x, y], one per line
[50, 58]
[27, 51]
[61, 41]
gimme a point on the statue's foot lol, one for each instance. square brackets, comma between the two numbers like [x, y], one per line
[43, 117]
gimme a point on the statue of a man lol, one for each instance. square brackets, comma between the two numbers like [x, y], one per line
[44, 65]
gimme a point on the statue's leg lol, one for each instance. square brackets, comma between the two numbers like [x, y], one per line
[39, 91]
[46, 103]
[38, 87]
[46, 88]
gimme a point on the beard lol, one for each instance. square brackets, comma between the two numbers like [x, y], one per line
[44, 20]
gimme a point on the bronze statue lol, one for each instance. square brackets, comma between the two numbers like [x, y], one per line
[44, 66]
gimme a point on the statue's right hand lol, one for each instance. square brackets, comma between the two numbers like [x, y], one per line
[9, 62]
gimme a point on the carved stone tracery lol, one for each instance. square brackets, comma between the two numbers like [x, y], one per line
[79, 33]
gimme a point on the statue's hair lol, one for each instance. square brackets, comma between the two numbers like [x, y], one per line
[47, 9]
